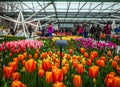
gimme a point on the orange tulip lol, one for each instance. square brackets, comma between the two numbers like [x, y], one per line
[103, 58]
[25, 55]
[67, 66]
[78, 57]
[15, 60]
[114, 64]
[82, 50]
[109, 79]
[15, 76]
[86, 54]
[95, 53]
[35, 55]
[77, 81]
[41, 73]
[74, 63]
[30, 56]
[118, 69]
[70, 51]
[30, 65]
[50, 53]
[37, 51]
[49, 77]
[43, 55]
[101, 63]
[93, 71]
[89, 62]
[46, 65]
[58, 84]
[57, 75]
[8, 71]
[64, 70]
[23, 62]
[17, 84]
[13, 65]
[116, 81]
[109, 53]
[80, 68]
[116, 58]
[20, 57]
[68, 56]
[92, 56]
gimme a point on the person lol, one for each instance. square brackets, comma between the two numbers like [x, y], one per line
[92, 30]
[107, 31]
[30, 31]
[85, 30]
[50, 30]
[116, 30]
[97, 32]
[80, 30]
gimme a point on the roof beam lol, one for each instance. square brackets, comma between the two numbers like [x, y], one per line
[65, 0]
[42, 8]
[53, 3]
[93, 9]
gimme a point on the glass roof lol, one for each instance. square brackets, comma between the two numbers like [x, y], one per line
[64, 10]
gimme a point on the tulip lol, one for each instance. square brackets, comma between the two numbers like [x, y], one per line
[21, 57]
[89, 62]
[43, 55]
[37, 51]
[57, 75]
[82, 50]
[25, 55]
[41, 72]
[64, 70]
[8, 71]
[93, 71]
[70, 51]
[15, 60]
[46, 65]
[30, 65]
[35, 55]
[13, 65]
[77, 81]
[50, 53]
[49, 77]
[114, 64]
[80, 68]
[58, 84]
[116, 81]
[17, 84]
[15, 76]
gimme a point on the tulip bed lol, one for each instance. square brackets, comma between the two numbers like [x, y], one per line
[85, 63]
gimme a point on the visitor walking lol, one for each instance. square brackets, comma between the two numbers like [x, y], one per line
[107, 31]
[30, 31]
[50, 30]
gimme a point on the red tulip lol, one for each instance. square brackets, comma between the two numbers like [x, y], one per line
[41, 72]
[58, 84]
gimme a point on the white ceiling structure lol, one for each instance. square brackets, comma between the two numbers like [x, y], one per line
[64, 11]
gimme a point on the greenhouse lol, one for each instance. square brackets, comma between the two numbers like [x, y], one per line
[59, 43]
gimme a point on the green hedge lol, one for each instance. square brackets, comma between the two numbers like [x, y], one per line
[10, 38]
